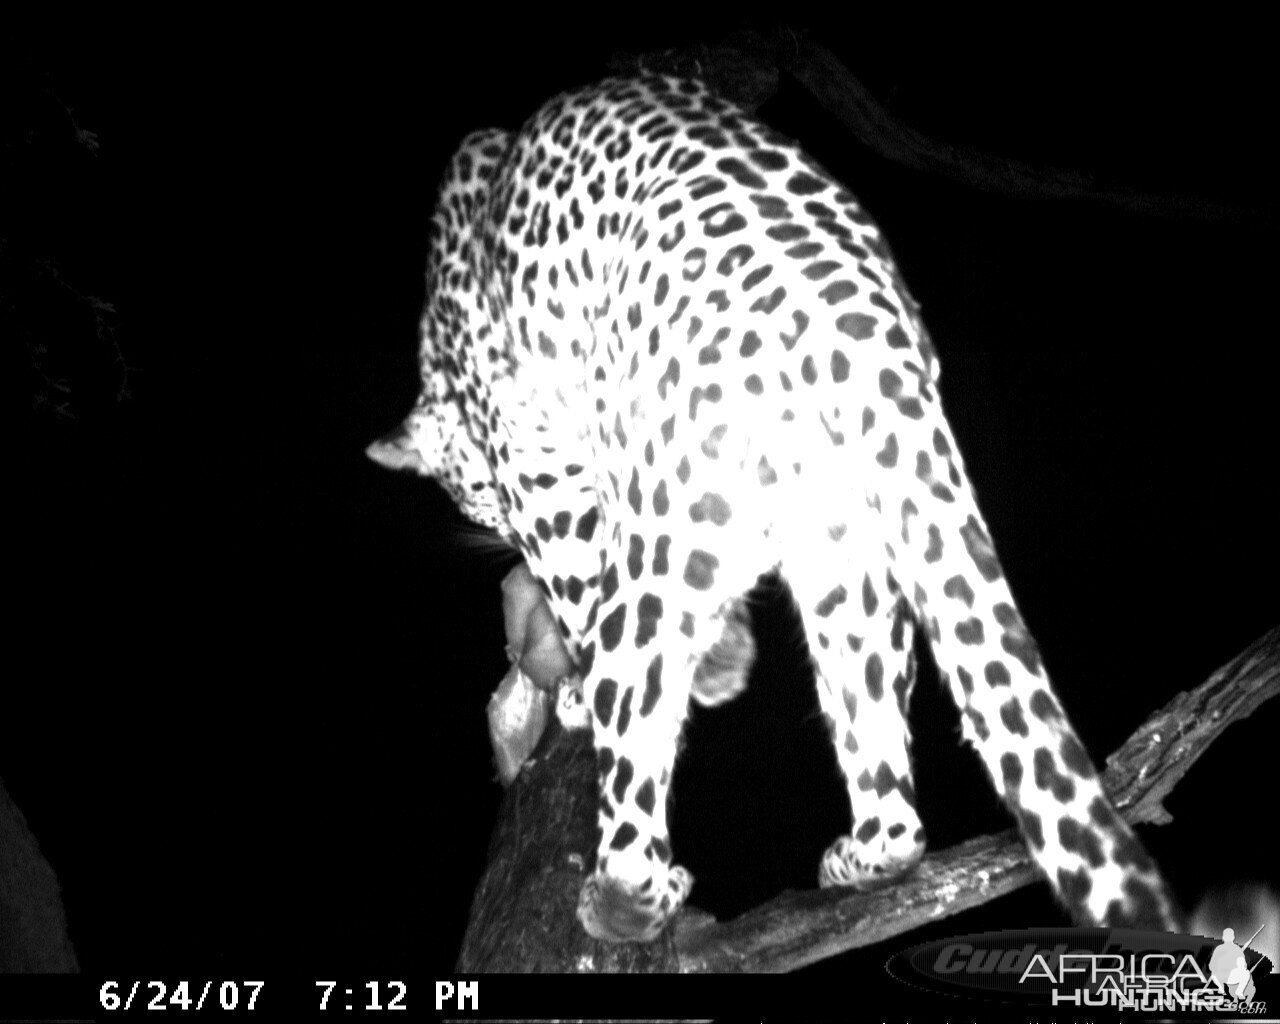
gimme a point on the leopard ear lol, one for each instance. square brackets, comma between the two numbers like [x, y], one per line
[417, 444]
[397, 450]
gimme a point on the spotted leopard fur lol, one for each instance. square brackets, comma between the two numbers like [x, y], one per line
[664, 353]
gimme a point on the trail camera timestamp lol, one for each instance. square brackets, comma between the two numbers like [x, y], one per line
[368, 996]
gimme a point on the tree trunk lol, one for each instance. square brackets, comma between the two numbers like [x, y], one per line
[33, 925]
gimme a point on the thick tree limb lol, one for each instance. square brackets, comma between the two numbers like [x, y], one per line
[523, 915]
[522, 918]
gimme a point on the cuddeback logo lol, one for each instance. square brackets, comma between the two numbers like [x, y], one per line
[1118, 968]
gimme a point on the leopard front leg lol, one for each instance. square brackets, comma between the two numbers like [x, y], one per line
[661, 610]
[638, 700]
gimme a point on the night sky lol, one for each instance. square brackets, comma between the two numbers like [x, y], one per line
[244, 715]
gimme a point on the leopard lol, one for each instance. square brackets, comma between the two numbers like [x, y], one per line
[665, 355]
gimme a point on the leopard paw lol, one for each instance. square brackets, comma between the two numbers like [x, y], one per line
[869, 861]
[613, 910]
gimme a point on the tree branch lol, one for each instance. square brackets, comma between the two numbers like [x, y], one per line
[523, 915]
[745, 67]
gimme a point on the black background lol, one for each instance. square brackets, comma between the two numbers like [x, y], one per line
[244, 713]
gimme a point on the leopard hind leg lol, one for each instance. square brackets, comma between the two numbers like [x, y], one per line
[860, 634]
